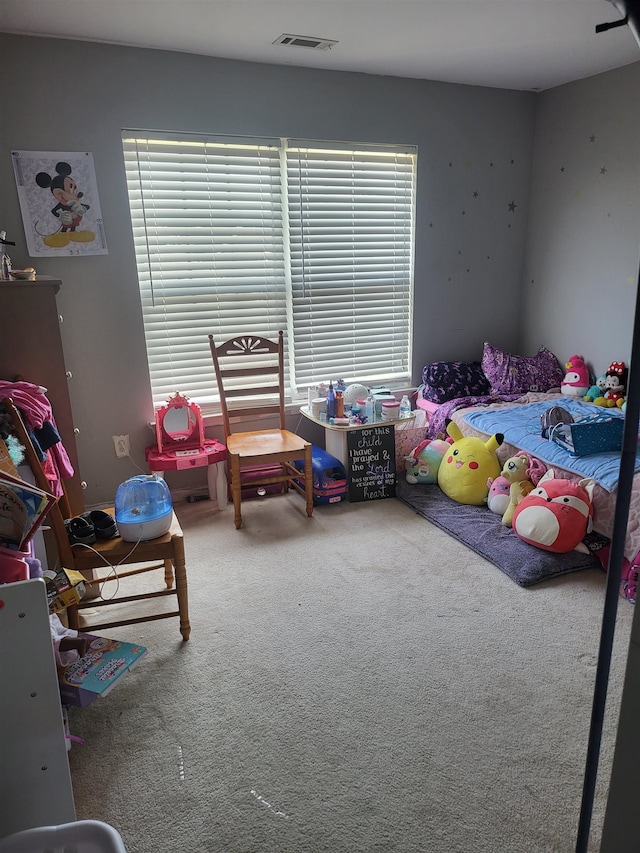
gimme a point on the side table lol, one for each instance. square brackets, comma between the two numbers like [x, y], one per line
[368, 453]
[213, 454]
[336, 436]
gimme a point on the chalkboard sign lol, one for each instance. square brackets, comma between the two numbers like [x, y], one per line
[372, 463]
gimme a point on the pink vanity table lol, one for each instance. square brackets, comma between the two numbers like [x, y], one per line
[180, 444]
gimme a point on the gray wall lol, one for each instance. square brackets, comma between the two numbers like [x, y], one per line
[579, 290]
[580, 285]
[469, 252]
[584, 221]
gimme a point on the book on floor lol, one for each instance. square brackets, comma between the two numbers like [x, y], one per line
[98, 670]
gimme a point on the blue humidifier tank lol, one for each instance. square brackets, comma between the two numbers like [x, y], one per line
[143, 508]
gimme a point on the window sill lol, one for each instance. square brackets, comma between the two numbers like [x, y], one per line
[214, 419]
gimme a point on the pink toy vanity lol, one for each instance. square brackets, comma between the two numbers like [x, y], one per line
[180, 444]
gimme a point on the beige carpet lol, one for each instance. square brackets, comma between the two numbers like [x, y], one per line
[358, 681]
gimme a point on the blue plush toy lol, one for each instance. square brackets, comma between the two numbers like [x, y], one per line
[596, 390]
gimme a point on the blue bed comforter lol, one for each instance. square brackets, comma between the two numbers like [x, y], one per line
[520, 426]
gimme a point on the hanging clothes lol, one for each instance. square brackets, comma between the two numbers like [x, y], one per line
[38, 417]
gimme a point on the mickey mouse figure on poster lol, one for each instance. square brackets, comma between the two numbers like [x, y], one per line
[69, 209]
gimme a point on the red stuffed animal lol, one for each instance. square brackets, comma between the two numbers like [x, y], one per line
[556, 515]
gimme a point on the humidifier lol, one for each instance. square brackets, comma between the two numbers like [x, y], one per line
[143, 508]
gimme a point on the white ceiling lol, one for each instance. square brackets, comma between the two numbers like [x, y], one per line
[514, 44]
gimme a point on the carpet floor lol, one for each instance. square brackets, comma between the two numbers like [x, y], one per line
[358, 682]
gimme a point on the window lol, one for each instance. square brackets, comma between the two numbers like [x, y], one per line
[254, 236]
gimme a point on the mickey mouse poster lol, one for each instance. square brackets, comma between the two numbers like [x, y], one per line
[59, 203]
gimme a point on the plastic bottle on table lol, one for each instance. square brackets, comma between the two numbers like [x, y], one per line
[405, 407]
[331, 402]
[370, 409]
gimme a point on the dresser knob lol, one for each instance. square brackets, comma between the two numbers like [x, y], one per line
[83, 485]
[76, 431]
[69, 374]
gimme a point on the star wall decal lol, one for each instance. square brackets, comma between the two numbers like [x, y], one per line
[476, 193]
[592, 139]
[562, 168]
[603, 170]
[512, 207]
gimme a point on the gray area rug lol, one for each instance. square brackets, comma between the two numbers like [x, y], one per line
[480, 529]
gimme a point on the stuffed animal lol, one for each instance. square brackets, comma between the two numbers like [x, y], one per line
[522, 472]
[423, 462]
[467, 466]
[596, 390]
[615, 385]
[499, 494]
[556, 515]
[576, 380]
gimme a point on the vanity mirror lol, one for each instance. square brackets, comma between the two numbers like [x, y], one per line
[179, 425]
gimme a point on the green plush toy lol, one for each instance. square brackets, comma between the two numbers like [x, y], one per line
[466, 468]
[596, 390]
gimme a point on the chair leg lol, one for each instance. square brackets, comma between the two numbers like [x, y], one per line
[168, 573]
[181, 586]
[308, 479]
[236, 490]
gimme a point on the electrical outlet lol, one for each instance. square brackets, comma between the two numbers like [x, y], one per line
[121, 444]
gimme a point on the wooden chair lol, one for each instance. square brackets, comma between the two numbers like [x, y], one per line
[251, 390]
[100, 562]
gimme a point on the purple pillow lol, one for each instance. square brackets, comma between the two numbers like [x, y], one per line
[517, 374]
[446, 380]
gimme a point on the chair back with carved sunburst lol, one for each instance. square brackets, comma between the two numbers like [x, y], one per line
[250, 376]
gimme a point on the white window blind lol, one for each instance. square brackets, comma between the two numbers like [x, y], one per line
[254, 236]
[351, 254]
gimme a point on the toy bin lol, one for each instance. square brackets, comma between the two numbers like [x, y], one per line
[83, 836]
[249, 475]
[329, 477]
[13, 565]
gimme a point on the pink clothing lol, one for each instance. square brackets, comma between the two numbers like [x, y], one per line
[36, 410]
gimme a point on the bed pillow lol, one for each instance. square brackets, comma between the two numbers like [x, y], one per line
[516, 374]
[446, 380]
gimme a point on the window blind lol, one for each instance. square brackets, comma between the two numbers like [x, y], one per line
[351, 226]
[253, 236]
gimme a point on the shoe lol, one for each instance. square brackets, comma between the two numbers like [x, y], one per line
[80, 531]
[103, 524]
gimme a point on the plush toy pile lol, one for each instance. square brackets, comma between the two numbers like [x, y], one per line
[551, 513]
[545, 511]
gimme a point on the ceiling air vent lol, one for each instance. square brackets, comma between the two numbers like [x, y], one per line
[305, 41]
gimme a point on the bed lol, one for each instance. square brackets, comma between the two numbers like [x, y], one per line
[496, 408]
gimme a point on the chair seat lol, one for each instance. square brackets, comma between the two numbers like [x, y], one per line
[116, 550]
[265, 442]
